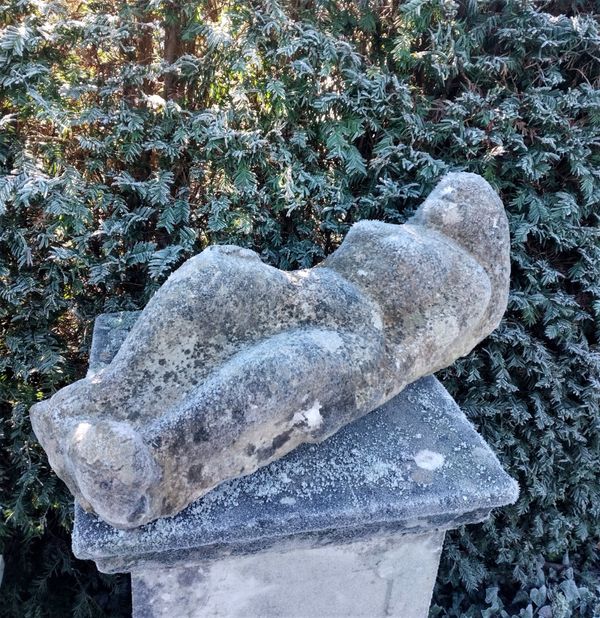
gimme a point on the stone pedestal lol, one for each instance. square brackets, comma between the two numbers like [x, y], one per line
[386, 575]
[351, 527]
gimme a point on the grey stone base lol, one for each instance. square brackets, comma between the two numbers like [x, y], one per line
[389, 576]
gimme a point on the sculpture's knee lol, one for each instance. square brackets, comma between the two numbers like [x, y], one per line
[114, 469]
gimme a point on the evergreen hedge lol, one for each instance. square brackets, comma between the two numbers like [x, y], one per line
[134, 134]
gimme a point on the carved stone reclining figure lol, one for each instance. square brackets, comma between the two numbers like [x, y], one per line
[234, 363]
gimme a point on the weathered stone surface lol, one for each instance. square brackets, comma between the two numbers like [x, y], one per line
[234, 363]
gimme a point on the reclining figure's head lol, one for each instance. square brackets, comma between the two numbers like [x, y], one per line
[465, 208]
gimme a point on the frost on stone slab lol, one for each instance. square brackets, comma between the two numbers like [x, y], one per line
[234, 363]
[429, 460]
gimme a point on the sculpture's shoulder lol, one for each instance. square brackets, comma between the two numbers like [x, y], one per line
[467, 210]
[457, 241]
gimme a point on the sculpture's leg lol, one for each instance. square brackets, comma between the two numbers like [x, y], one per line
[114, 469]
[102, 461]
[299, 386]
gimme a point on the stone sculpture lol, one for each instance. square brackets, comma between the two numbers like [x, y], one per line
[234, 363]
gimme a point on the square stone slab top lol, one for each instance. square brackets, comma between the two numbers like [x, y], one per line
[414, 465]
